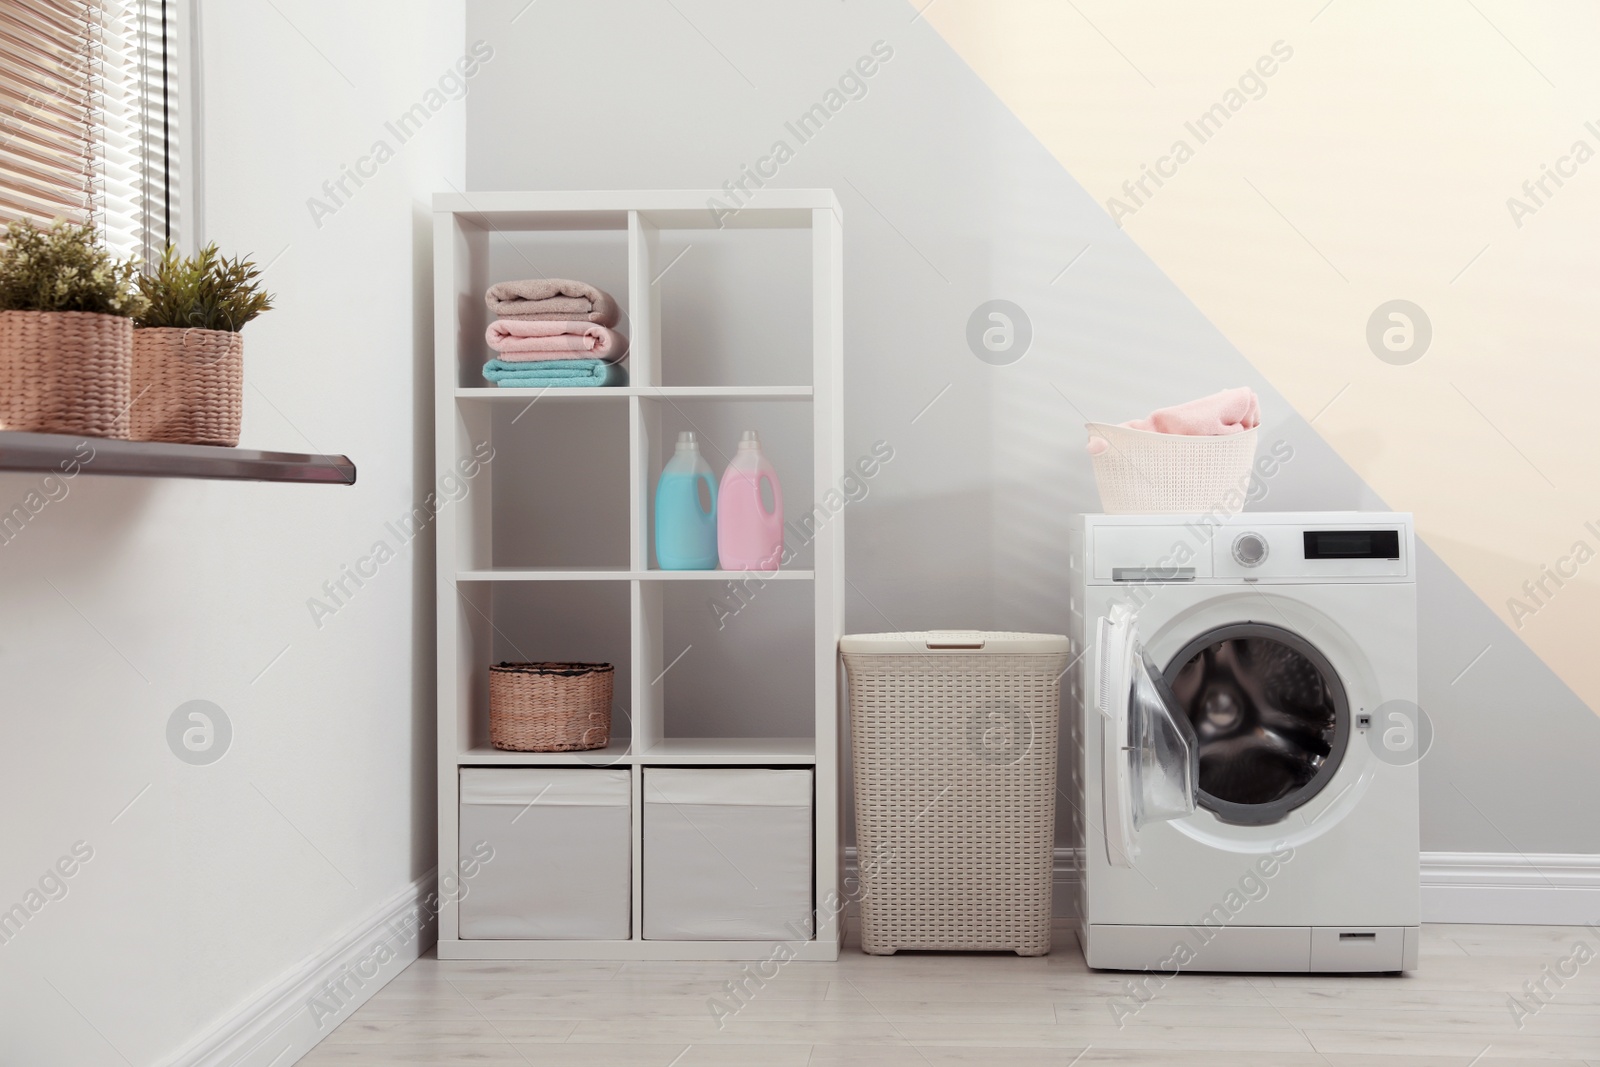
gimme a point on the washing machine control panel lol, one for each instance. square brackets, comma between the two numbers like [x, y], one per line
[1273, 552]
[1267, 547]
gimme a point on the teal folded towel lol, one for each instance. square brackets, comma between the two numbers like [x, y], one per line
[555, 373]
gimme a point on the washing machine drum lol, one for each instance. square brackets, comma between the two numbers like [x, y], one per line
[1269, 714]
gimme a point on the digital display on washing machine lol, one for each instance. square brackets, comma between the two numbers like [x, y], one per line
[1352, 544]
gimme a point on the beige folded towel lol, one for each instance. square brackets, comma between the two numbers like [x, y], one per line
[551, 298]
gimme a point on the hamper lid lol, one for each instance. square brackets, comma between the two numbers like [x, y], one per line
[976, 641]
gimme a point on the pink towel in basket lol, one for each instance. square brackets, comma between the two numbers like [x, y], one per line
[518, 340]
[1218, 415]
[552, 299]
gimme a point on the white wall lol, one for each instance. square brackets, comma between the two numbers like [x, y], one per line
[129, 597]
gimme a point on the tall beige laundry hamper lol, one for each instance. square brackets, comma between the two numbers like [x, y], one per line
[954, 749]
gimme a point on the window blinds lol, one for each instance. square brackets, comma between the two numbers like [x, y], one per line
[138, 150]
[88, 95]
[47, 125]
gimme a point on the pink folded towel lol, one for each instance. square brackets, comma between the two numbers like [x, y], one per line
[519, 340]
[552, 300]
[1218, 415]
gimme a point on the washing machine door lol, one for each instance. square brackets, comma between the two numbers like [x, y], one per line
[1150, 755]
[1271, 716]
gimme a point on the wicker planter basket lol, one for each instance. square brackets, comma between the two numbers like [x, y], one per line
[550, 707]
[188, 386]
[65, 372]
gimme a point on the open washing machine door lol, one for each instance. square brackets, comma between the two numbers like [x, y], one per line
[1270, 714]
[1150, 769]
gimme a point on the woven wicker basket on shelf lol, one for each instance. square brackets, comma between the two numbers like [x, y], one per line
[188, 386]
[65, 372]
[550, 707]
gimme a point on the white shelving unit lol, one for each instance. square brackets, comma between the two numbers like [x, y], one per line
[547, 552]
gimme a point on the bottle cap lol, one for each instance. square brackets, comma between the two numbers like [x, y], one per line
[686, 439]
[749, 439]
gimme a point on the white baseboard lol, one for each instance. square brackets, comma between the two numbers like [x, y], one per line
[283, 1022]
[1539, 889]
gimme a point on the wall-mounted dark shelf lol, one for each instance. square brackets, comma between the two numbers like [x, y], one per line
[56, 453]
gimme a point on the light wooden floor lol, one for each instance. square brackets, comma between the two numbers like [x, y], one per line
[940, 1010]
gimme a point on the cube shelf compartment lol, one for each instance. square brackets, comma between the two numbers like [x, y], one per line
[736, 660]
[545, 549]
[568, 621]
[786, 439]
[713, 306]
[576, 455]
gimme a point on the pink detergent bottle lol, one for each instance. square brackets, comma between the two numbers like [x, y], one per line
[749, 537]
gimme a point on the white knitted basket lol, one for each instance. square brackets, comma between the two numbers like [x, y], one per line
[1143, 472]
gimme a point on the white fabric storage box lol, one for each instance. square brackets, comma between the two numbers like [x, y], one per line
[727, 854]
[562, 864]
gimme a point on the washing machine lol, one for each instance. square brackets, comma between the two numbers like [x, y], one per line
[1243, 707]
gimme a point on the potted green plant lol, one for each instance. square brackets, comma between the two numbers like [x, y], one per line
[66, 335]
[188, 356]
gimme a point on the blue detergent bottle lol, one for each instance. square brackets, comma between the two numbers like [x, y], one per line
[686, 533]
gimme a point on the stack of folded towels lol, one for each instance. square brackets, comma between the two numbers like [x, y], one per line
[554, 332]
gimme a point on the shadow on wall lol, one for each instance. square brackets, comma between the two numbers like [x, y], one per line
[425, 587]
[34, 509]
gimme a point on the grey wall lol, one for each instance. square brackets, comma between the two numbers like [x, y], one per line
[950, 202]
